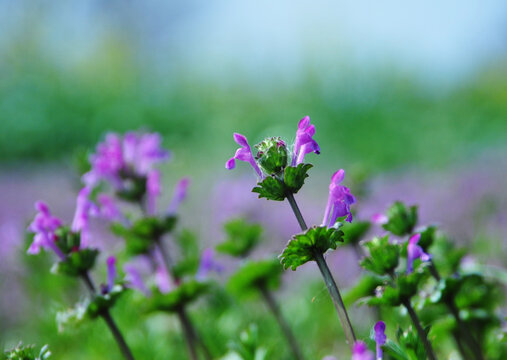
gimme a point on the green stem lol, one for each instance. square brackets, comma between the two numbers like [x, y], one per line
[120, 340]
[191, 335]
[337, 299]
[284, 326]
[470, 340]
[328, 279]
[422, 334]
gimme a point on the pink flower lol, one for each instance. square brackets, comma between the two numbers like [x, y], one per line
[380, 337]
[361, 352]
[304, 143]
[84, 208]
[153, 190]
[244, 153]
[339, 200]
[44, 226]
[180, 193]
[414, 252]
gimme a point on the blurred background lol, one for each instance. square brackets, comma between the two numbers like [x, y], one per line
[410, 99]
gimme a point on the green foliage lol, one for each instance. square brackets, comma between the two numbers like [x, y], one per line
[272, 155]
[272, 188]
[188, 262]
[364, 287]
[143, 232]
[303, 247]
[354, 231]
[68, 241]
[411, 344]
[405, 288]
[401, 221]
[184, 294]
[102, 302]
[242, 237]
[252, 274]
[72, 317]
[247, 347]
[77, 262]
[134, 188]
[383, 258]
[26, 352]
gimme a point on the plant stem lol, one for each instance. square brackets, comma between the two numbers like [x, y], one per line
[328, 279]
[120, 340]
[337, 299]
[286, 330]
[188, 331]
[470, 340]
[191, 335]
[297, 212]
[422, 334]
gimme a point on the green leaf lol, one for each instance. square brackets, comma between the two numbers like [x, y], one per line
[383, 258]
[77, 262]
[363, 288]
[242, 237]
[294, 177]
[303, 247]
[103, 302]
[401, 221]
[184, 294]
[26, 352]
[272, 155]
[188, 262]
[411, 344]
[270, 188]
[253, 274]
[406, 287]
[354, 231]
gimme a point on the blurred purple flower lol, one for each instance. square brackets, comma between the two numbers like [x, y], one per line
[361, 352]
[380, 337]
[134, 153]
[108, 209]
[208, 264]
[180, 193]
[304, 143]
[414, 252]
[244, 153]
[44, 226]
[379, 219]
[111, 272]
[135, 280]
[162, 279]
[84, 208]
[153, 190]
[339, 201]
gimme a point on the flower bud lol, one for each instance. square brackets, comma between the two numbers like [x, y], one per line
[272, 155]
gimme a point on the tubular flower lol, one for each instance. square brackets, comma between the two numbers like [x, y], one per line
[208, 264]
[153, 190]
[107, 162]
[84, 208]
[44, 226]
[380, 337]
[361, 352]
[414, 252]
[108, 208]
[339, 201]
[304, 143]
[111, 273]
[141, 152]
[244, 153]
[180, 193]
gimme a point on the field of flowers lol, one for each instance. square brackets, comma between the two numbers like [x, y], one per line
[153, 211]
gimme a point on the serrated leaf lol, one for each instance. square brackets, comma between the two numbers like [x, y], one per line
[270, 188]
[383, 258]
[401, 221]
[303, 247]
[253, 274]
[294, 177]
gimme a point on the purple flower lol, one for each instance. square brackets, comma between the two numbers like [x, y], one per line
[135, 280]
[153, 190]
[361, 352]
[84, 208]
[141, 152]
[180, 193]
[107, 162]
[208, 264]
[414, 252]
[380, 337]
[304, 143]
[44, 226]
[162, 279]
[244, 153]
[107, 208]
[339, 201]
[111, 272]
[379, 219]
